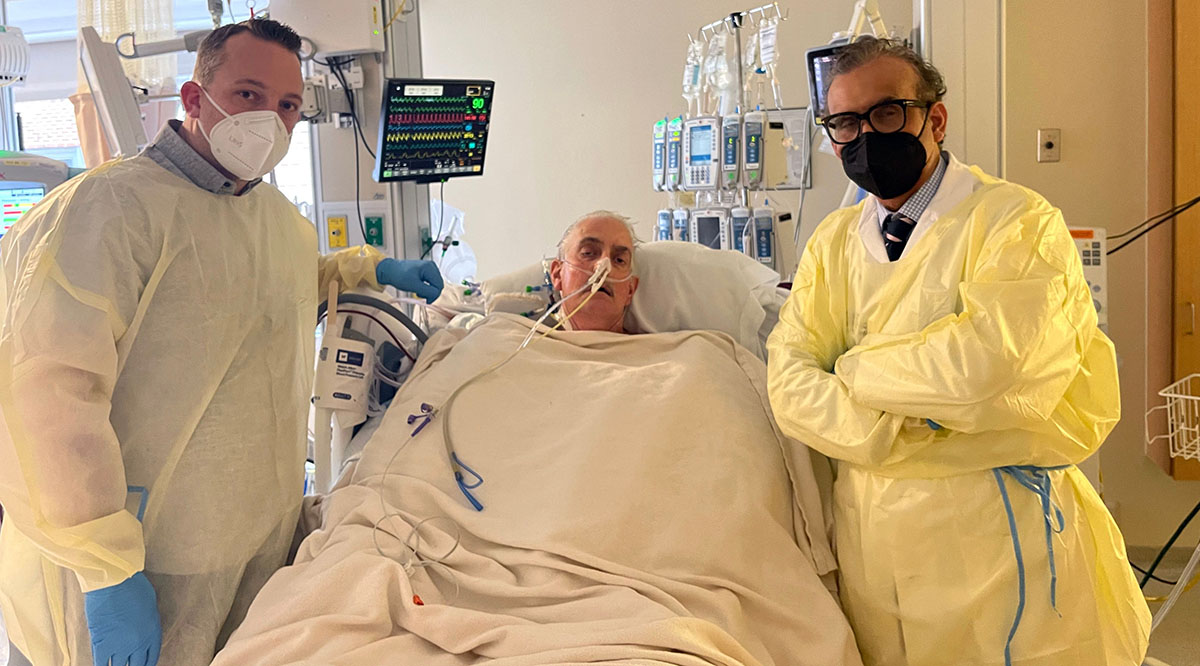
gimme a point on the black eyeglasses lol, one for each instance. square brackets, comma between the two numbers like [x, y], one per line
[886, 117]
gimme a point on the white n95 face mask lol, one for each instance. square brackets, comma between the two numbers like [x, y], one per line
[248, 144]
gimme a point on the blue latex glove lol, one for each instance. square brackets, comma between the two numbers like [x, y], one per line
[124, 624]
[420, 277]
[933, 425]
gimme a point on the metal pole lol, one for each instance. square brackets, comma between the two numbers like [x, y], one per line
[8, 110]
[922, 24]
[409, 201]
[736, 19]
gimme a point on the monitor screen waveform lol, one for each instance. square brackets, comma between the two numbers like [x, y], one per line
[433, 129]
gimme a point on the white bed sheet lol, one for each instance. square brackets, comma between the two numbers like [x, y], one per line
[640, 507]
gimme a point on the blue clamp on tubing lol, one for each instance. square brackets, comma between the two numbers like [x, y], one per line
[1036, 480]
[463, 485]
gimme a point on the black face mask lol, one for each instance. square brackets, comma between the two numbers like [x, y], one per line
[886, 165]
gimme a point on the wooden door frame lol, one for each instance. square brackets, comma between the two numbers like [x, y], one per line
[1183, 19]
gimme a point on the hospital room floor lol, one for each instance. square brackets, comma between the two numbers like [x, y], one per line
[1175, 643]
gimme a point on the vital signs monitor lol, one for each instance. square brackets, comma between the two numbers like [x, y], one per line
[432, 129]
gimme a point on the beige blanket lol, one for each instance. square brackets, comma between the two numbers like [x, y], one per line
[640, 507]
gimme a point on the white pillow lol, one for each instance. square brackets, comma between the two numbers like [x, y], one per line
[686, 286]
[683, 287]
[519, 292]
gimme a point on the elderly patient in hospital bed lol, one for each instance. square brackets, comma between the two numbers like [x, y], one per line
[637, 505]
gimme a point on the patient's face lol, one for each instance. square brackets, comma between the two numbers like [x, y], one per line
[590, 241]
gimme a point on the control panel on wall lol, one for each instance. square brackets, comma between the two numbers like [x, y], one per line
[433, 129]
[701, 152]
[339, 227]
[1092, 244]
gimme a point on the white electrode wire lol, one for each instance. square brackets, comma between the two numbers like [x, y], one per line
[412, 559]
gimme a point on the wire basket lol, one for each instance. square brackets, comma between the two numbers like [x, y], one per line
[1183, 418]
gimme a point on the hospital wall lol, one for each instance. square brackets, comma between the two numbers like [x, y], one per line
[1083, 67]
[578, 85]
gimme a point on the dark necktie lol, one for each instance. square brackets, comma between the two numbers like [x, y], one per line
[896, 230]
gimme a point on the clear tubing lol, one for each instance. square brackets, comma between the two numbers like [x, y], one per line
[411, 558]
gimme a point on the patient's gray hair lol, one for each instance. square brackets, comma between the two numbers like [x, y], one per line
[606, 214]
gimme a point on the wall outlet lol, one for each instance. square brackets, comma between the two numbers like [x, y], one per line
[1049, 145]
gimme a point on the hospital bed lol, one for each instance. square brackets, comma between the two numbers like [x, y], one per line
[629, 498]
[684, 286]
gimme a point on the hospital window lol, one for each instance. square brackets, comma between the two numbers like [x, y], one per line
[48, 129]
[47, 115]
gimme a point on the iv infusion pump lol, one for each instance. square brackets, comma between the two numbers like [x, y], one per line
[701, 153]
[710, 227]
[731, 148]
[659, 157]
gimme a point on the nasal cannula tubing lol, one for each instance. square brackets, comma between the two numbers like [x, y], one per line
[412, 542]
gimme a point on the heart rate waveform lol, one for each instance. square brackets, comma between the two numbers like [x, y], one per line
[395, 124]
[408, 137]
[426, 115]
[428, 154]
[456, 145]
[448, 101]
[430, 118]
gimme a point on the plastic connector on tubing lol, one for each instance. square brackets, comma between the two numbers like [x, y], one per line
[600, 274]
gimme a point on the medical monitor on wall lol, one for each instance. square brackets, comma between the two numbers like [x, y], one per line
[15, 199]
[116, 106]
[820, 68]
[432, 129]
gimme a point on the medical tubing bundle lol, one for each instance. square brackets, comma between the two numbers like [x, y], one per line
[594, 283]
[692, 83]
[1180, 588]
[413, 560]
[384, 306]
[806, 162]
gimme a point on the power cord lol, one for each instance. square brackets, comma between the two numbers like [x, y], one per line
[335, 67]
[1154, 222]
[358, 194]
[1171, 542]
[436, 238]
[1152, 576]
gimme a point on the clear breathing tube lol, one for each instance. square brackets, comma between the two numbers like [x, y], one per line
[411, 558]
